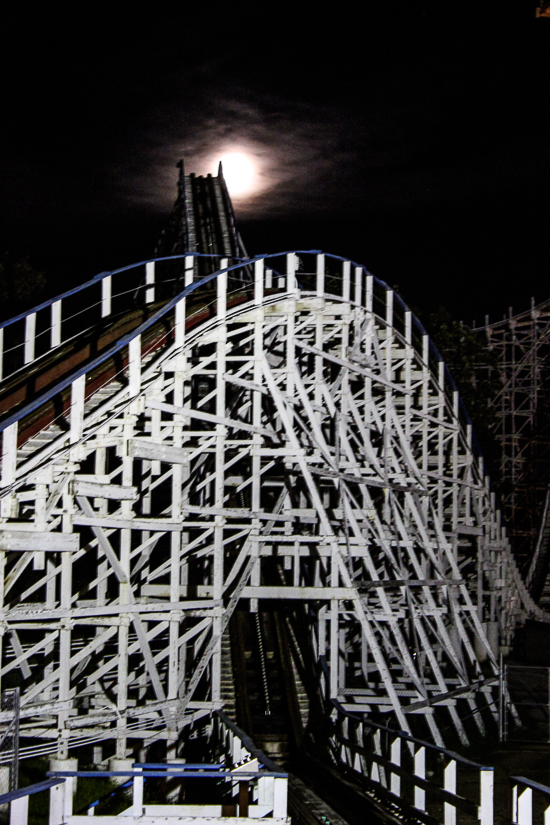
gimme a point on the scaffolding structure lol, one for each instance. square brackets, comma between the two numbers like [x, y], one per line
[522, 346]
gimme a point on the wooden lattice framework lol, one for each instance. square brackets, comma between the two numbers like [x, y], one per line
[301, 441]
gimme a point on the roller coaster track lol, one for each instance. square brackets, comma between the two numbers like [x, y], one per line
[290, 438]
[206, 434]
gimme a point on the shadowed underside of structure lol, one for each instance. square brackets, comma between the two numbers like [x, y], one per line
[277, 433]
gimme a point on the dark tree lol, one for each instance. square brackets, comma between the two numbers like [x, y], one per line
[21, 285]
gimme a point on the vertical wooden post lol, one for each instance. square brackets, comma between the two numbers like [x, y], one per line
[449, 784]
[320, 276]
[346, 281]
[525, 807]
[106, 296]
[280, 797]
[420, 772]
[137, 795]
[55, 320]
[134, 366]
[486, 794]
[78, 391]
[30, 337]
[9, 466]
[395, 779]
[19, 811]
[150, 281]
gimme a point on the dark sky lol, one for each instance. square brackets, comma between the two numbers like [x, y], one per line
[414, 141]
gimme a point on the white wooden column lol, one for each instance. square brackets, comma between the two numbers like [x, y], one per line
[221, 431]
[9, 468]
[30, 337]
[106, 296]
[150, 282]
[55, 321]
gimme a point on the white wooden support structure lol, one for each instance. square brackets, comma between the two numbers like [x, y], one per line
[295, 442]
[30, 337]
[449, 810]
[486, 796]
[150, 282]
[420, 772]
[519, 344]
[106, 289]
[19, 811]
[55, 320]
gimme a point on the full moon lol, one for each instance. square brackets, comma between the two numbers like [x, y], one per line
[239, 172]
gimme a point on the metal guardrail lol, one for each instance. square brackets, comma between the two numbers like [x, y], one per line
[19, 800]
[416, 776]
[256, 786]
[521, 793]
[36, 332]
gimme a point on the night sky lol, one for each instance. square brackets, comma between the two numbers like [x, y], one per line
[414, 142]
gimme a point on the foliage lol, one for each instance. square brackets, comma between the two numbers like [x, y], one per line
[21, 285]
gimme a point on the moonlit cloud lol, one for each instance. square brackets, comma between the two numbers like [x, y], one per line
[299, 156]
[310, 160]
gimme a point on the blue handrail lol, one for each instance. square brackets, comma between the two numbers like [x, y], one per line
[30, 789]
[122, 342]
[99, 277]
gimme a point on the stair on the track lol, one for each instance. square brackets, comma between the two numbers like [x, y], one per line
[227, 681]
[262, 698]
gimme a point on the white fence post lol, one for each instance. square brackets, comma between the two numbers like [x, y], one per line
[258, 281]
[265, 791]
[320, 276]
[369, 293]
[19, 811]
[150, 281]
[106, 296]
[179, 323]
[138, 795]
[449, 816]
[291, 269]
[486, 801]
[78, 394]
[280, 794]
[346, 278]
[358, 284]
[180, 308]
[57, 804]
[525, 807]
[134, 365]
[189, 269]
[222, 290]
[55, 320]
[515, 803]
[420, 772]
[30, 334]
[9, 466]
[395, 779]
